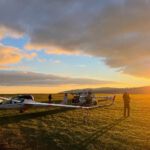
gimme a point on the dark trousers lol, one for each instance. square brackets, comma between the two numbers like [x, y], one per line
[126, 111]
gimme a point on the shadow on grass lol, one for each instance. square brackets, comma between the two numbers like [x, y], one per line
[97, 134]
[26, 116]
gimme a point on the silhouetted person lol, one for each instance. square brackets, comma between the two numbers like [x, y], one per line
[126, 99]
[50, 98]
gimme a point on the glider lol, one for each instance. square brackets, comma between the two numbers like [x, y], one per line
[24, 102]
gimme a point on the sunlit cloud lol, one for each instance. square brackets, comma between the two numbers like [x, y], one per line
[116, 30]
[9, 32]
[30, 56]
[62, 52]
[11, 55]
[50, 49]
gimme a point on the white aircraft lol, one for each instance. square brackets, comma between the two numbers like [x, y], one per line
[24, 102]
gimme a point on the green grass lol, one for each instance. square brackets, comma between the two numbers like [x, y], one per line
[63, 129]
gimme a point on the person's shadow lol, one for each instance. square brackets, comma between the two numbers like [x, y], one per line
[97, 134]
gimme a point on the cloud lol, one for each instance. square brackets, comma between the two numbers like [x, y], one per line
[13, 78]
[30, 56]
[57, 61]
[4, 32]
[11, 55]
[117, 30]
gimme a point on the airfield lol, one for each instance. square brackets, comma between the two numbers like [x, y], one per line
[64, 129]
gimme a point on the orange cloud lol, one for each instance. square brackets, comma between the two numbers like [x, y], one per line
[9, 55]
[30, 56]
[50, 49]
[12, 55]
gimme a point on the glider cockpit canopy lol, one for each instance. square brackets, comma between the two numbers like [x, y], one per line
[21, 98]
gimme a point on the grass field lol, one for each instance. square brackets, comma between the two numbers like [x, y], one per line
[63, 129]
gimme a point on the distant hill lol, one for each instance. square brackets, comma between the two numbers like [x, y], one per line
[107, 90]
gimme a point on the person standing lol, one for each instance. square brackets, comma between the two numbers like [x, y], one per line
[126, 99]
[65, 98]
[50, 98]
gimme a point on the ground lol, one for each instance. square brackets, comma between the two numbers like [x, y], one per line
[64, 129]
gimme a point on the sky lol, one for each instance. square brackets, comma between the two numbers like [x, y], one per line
[48, 46]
